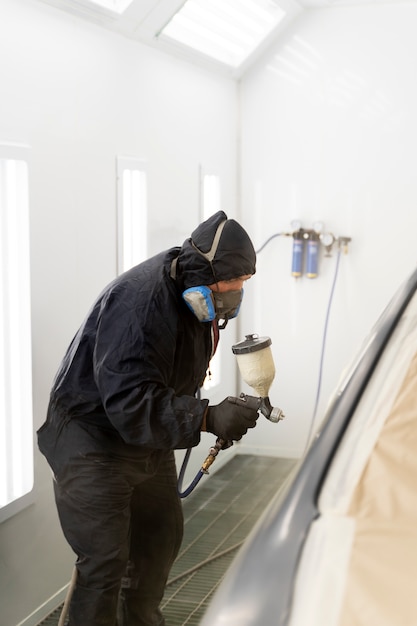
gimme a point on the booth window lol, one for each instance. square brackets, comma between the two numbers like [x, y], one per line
[132, 212]
[16, 419]
[210, 204]
[211, 196]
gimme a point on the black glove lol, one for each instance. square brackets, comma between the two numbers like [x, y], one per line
[229, 420]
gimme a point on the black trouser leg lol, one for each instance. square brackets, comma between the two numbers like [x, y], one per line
[156, 535]
[105, 506]
[93, 506]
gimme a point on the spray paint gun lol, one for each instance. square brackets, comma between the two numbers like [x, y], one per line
[256, 365]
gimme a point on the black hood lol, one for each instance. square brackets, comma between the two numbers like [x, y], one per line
[234, 257]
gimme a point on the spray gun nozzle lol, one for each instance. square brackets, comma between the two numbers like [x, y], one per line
[263, 405]
[272, 413]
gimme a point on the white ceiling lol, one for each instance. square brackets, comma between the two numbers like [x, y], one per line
[143, 20]
[314, 4]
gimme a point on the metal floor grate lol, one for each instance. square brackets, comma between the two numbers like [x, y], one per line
[218, 516]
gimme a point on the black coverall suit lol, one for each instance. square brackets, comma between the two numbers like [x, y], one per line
[122, 401]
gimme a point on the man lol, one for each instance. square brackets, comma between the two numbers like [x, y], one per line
[123, 400]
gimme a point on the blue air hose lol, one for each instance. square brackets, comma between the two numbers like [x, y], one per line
[193, 484]
[221, 444]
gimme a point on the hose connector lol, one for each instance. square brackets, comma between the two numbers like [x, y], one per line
[220, 444]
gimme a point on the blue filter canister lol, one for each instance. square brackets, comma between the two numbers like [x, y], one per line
[297, 254]
[312, 262]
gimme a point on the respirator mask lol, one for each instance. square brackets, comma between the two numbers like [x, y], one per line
[208, 305]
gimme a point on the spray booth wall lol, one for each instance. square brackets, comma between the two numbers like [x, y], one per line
[328, 134]
[331, 139]
[80, 96]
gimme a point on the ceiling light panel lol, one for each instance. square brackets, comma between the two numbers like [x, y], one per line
[225, 30]
[116, 6]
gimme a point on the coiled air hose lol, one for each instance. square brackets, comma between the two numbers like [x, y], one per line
[220, 444]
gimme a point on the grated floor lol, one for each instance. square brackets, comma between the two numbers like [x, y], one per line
[218, 517]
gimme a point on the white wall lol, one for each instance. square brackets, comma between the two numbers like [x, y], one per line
[329, 133]
[80, 96]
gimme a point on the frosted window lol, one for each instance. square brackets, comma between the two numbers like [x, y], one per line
[211, 195]
[16, 420]
[132, 213]
[213, 376]
[211, 201]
